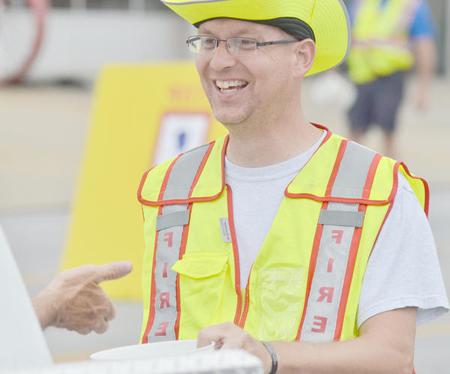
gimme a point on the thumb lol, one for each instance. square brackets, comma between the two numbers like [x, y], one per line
[112, 271]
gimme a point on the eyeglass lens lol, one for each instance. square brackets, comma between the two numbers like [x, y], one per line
[201, 44]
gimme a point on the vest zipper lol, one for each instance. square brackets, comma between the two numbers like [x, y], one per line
[242, 298]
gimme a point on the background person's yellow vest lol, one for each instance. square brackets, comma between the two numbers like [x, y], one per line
[307, 278]
[380, 45]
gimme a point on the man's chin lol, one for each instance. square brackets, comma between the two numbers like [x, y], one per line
[228, 122]
[228, 119]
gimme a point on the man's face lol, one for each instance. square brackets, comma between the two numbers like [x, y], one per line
[253, 85]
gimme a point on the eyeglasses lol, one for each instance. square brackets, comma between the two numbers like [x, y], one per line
[203, 44]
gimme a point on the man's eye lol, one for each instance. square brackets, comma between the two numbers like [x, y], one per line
[246, 43]
[208, 43]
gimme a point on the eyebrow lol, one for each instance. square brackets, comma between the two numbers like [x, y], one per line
[243, 30]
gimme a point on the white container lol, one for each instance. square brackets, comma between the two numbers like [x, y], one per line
[153, 350]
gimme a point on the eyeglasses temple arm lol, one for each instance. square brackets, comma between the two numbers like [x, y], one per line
[262, 44]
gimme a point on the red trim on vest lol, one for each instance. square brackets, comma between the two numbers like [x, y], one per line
[237, 269]
[184, 238]
[337, 165]
[224, 152]
[163, 187]
[391, 199]
[327, 137]
[200, 169]
[354, 251]
[247, 301]
[181, 201]
[151, 316]
[425, 185]
[318, 236]
[190, 200]
[151, 311]
[312, 265]
[324, 128]
[142, 183]
[332, 199]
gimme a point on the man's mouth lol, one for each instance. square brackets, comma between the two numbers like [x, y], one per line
[230, 86]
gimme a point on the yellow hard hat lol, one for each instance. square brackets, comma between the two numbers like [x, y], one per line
[328, 20]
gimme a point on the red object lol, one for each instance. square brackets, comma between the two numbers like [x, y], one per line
[39, 9]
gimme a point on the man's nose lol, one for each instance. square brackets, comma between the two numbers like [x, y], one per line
[222, 58]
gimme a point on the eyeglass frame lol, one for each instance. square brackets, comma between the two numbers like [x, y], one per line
[257, 43]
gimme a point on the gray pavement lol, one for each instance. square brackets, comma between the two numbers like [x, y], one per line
[42, 134]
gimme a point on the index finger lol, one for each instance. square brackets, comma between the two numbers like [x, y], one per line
[111, 271]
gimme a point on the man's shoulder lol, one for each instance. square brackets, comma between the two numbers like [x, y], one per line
[363, 148]
[152, 180]
[164, 166]
[186, 165]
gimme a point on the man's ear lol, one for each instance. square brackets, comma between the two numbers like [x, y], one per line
[304, 57]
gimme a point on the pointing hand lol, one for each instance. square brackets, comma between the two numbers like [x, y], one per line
[74, 299]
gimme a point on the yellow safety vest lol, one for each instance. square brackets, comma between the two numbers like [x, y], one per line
[380, 44]
[306, 281]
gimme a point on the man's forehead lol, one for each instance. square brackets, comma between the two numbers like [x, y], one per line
[232, 27]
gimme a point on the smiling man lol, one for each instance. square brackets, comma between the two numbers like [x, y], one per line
[283, 239]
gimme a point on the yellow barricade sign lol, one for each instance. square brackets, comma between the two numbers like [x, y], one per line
[142, 116]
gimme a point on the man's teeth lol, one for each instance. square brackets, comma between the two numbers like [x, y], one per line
[230, 85]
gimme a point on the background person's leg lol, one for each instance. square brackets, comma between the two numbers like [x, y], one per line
[389, 97]
[360, 114]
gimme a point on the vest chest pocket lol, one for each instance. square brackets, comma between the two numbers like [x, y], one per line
[203, 278]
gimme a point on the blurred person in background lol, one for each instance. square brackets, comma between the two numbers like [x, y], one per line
[307, 250]
[389, 38]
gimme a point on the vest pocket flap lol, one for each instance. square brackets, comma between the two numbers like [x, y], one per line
[201, 265]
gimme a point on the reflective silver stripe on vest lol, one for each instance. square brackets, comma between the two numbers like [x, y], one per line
[335, 244]
[170, 226]
[341, 218]
[167, 221]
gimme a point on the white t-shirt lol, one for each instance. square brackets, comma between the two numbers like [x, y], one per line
[403, 270]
